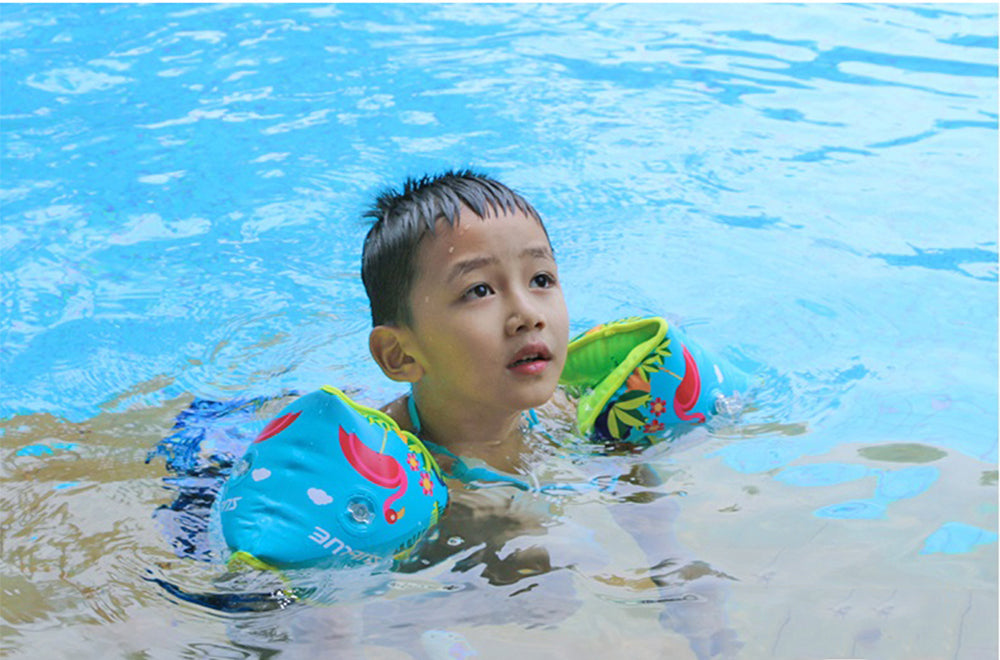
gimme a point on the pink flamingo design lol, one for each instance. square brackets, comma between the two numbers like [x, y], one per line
[688, 391]
[276, 426]
[380, 469]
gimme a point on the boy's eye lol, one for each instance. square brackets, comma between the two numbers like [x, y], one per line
[543, 280]
[478, 291]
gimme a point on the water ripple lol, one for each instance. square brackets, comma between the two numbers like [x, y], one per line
[75, 80]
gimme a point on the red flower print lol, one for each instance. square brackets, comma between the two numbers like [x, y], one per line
[426, 484]
[654, 426]
[657, 407]
[411, 460]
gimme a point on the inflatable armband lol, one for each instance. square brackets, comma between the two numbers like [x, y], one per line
[640, 376]
[332, 483]
[329, 483]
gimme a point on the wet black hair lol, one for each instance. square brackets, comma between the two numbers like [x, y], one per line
[402, 219]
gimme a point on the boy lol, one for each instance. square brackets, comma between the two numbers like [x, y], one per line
[467, 307]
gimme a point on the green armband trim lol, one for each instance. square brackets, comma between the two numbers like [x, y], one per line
[382, 420]
[602, 359]
[241, 559]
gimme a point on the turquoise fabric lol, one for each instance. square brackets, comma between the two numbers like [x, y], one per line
[638, 378]
[330, 483]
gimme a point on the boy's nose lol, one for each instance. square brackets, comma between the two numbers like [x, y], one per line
[523, 318]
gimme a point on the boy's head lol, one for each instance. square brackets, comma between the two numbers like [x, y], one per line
[466, 300]
[402, 219]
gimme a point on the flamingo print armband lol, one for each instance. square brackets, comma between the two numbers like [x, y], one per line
[639, 377]
[329, 483]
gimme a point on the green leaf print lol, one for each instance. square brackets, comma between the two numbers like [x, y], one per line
[625, 413]
[654, 362]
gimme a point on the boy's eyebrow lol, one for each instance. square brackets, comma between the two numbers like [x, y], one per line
[538, 252]
[474, 263]
[469, 265]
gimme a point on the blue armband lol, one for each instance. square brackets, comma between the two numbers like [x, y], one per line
[329, 482]
[640, 376]
[332, 483]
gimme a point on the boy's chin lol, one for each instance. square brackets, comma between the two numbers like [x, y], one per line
[538, 396]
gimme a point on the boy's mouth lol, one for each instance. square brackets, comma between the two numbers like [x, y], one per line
[531, 359]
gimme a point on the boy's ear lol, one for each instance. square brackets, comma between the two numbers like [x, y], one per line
[388, 345]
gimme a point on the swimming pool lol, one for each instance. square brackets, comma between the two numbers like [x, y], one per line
[811, 189]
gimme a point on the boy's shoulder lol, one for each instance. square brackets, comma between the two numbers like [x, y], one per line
[398, 410]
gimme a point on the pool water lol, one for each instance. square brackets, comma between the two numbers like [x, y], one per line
[809, 189]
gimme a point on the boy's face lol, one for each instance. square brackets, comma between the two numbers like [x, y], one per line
[490, 325]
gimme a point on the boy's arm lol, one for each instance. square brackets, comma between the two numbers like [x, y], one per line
[692, 592]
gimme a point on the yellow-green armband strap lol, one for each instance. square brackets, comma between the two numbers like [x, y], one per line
[640, 376]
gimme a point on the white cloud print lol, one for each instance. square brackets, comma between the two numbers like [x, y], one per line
[319, 496]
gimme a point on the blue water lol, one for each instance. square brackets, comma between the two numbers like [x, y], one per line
[810, 189]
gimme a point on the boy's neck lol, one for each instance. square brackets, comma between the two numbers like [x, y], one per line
[495, 437]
